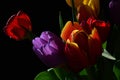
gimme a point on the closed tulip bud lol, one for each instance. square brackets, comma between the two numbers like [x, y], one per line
[18, 26]
[49, 48]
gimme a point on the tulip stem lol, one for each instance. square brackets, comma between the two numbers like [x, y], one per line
[73, 11]
[91, 73]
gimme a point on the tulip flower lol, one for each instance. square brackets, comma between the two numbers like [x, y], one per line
[102, 27]
[94, 4]
[114, 7]
[18, 26]
[49, 48]
[86, 7]
[84, 12]
[84, 42]
[83, 50]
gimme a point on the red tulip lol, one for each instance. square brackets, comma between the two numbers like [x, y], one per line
[102, 27]
[83, 49]
[18, 26]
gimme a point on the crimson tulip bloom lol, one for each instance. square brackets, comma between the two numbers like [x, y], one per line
[102, 27]
[84, 44]
[18, 26]
[49, 48]
[83, 50]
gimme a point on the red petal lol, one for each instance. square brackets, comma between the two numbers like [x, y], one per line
[95, 46]
[76, 57]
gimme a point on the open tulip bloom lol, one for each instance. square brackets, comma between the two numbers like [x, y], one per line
[88, 47]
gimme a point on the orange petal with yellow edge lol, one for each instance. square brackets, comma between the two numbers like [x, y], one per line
[68, 28]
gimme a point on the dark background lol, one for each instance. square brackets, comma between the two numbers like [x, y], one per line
[18, 61]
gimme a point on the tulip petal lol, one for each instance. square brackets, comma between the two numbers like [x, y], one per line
[76, 3]
[95, 46]
[76, 56]
[68, 28]
[94, 4]
[24, 20]
[103, 29]
[81, 38]
[84, 12]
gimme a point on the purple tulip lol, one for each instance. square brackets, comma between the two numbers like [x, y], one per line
[49, 48]
[114, 6]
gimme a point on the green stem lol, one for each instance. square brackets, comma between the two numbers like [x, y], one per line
[73, 11]
[91, 73]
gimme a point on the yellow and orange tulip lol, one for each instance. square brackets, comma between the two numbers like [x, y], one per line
[86, 8]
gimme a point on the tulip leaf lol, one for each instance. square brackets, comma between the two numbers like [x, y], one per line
[107, 55]
[104, 45]
[46, 75]
[63, 74]
[83, 72]
[60, 21]
[116, 69]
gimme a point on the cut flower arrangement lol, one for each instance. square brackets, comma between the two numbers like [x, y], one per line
[88, 47]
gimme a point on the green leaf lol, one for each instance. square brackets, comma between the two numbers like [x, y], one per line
[63, 74]
[104, 45]
[60, 21]
[116, 69]
[83, 72]
[107, 55]
[46, 75]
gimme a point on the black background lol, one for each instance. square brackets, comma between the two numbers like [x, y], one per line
[18, 61]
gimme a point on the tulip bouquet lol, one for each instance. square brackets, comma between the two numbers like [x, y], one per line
[88, 47]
